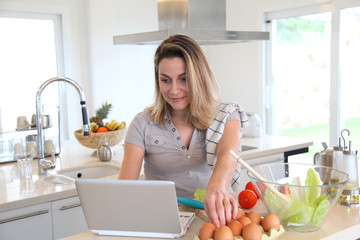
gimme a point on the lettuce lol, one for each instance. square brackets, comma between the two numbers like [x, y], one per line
[308, 206]
[200, 194]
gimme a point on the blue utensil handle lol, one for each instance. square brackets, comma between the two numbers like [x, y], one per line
[190, 202]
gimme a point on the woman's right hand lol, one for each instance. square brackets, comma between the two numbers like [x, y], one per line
[220, 206]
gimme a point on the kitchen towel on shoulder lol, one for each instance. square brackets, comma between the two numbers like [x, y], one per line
[215, 132]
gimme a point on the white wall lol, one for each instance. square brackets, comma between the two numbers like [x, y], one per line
[123, 75]
[114, 68]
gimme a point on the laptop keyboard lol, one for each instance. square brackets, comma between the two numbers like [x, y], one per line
[185, 219]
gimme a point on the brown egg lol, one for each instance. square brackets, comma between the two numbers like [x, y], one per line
[270, 221]
[207, 231]
[223, 233]
[240, 213]
[244, 220]
[252, 231]
[254, 217]
[236, 227]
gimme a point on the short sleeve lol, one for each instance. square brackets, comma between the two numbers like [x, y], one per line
[136, 131]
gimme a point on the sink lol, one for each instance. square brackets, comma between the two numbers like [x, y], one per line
[90, 172]
[57, 179]
[68, 176]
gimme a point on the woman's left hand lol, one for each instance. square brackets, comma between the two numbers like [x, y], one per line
[220, 206]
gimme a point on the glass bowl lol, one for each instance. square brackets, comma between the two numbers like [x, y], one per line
[312, 191]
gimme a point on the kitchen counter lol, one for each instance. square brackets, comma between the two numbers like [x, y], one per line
[342, 223]
[17, 194]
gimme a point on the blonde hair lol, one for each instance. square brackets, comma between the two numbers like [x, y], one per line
[203, 90]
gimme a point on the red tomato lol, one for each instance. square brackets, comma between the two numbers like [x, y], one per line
[251, 187]
[285, 189]
[247, 199]
[261, 187]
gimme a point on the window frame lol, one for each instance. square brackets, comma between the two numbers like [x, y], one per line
[336, 123]
[59, 49]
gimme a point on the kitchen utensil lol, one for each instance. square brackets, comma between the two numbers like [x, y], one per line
[190, 202]
[324, 158]
[271, 188]
[313, 199]
[49, 147]
[349, 164]
[105, 152]
[24, 162]
[22, 122]
[255, 128]
[46, 121]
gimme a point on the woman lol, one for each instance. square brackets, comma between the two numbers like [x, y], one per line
[170, 135]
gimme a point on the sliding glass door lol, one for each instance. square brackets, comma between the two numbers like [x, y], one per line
[313, 75]
[350, 72]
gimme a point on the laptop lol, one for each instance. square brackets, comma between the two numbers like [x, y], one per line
[132, 208]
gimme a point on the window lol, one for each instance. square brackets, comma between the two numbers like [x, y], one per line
[309, 96]
[30, 49]
[350, 72]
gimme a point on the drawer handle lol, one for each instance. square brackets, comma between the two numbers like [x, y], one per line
[24, 216]
[63, 208]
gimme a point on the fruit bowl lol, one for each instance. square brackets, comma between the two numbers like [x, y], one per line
[95, 140]
[313, 191]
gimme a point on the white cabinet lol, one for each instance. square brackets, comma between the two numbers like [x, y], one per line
[52, 220]
[68, 217]
[32, 222]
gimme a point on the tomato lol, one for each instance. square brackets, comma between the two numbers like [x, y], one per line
[261, 187]
[285, 190]
[251, 187]
[247, 199]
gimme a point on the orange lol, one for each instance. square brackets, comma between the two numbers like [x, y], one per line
[102, 129]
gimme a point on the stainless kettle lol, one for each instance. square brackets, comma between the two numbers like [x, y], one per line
[105, 152]
[324, 158]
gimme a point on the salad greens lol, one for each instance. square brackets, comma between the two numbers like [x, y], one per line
[308, 206]
[200, 194]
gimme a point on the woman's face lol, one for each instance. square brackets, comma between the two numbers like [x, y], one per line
[172, 82]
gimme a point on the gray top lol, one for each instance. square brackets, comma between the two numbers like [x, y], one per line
[166, 156]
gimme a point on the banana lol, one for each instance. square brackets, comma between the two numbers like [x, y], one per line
[113, 124]
[116, 125]
[108, 126]
[121, 126]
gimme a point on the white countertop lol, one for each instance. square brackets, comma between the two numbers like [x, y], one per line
[342, 223]
[267, 145]
[16, 193]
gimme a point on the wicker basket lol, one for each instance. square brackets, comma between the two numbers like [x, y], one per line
[95, 140]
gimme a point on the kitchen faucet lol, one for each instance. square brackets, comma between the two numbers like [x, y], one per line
[43, 164]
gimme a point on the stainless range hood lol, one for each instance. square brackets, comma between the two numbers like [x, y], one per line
[202, 20]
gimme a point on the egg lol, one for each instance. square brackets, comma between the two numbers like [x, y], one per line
[270, 221]
[254, 217]
[244, 220]
[252, 231]
[236, 227]
[240, 213]
[207, 231]
[223, 233]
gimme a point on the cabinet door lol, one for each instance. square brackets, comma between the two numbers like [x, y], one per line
[32, 222]
[68, 217]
